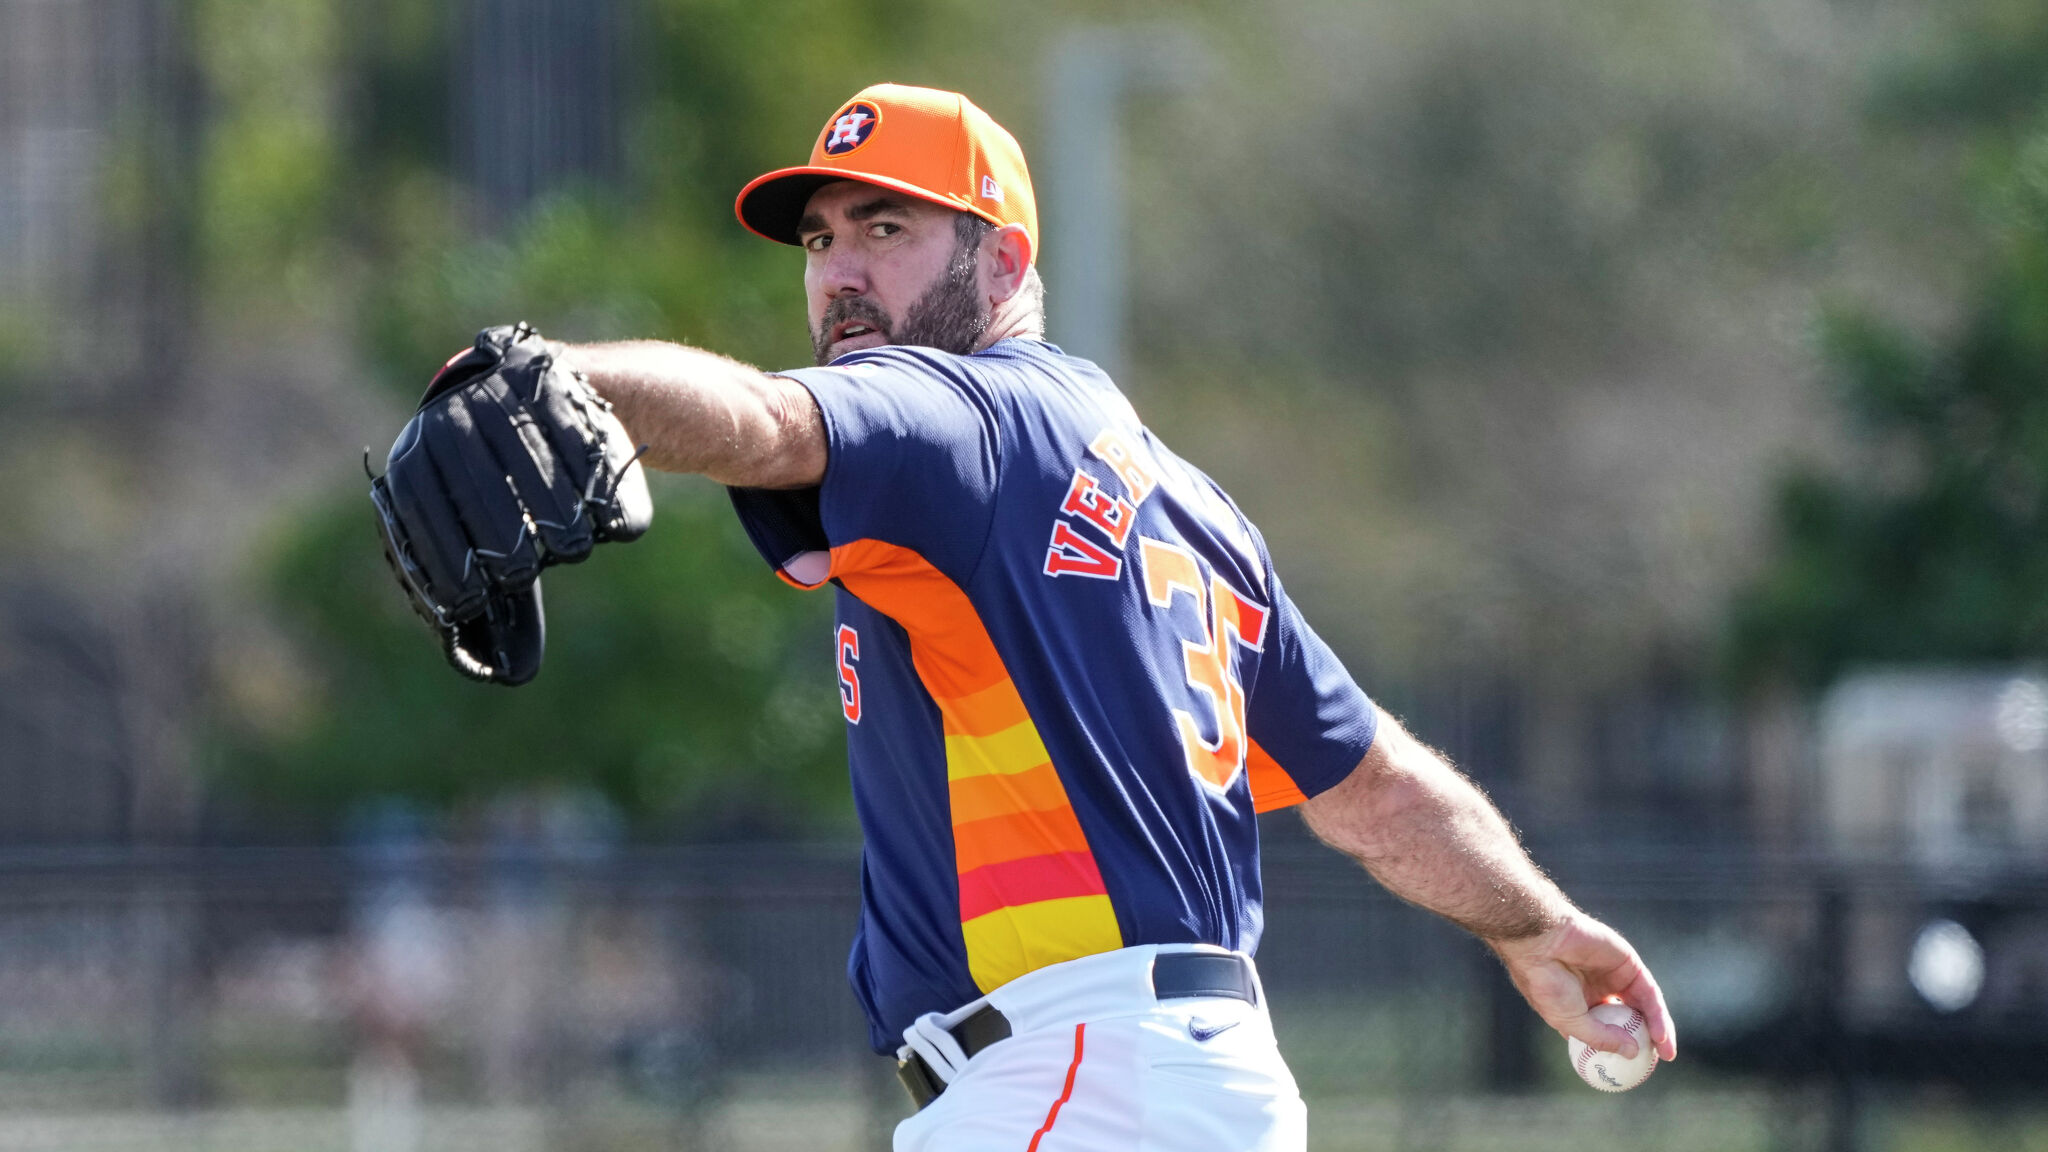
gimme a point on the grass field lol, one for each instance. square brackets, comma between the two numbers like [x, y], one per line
[1381, 1074]
[835, 1117]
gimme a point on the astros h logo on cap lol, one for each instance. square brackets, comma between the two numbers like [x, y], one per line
[922, 142]
[851, 128]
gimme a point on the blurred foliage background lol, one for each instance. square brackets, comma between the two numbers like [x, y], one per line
[1930, 542]
[1646, 399]
[680, 682]
[1572, 356]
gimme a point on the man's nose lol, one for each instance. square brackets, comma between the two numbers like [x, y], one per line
[844, 273]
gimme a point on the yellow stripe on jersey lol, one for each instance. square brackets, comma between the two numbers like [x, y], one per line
[1009, 942]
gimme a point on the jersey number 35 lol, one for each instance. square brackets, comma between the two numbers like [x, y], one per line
[1226, 617]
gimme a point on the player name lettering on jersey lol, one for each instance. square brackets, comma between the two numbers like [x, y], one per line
[1131, 463]
[1073, 554]
[1112, 514]
[1087, 502]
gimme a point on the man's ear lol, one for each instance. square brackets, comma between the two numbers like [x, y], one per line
[1006, 261]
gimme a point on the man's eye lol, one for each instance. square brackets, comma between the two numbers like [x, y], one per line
[883, 228]
[818, 243]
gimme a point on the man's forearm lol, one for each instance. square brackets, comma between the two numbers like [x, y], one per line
[697, 411]
[1432, 838]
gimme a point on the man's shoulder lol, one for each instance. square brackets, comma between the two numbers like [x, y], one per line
[1016, 357]
[1023, 390]
[1040, 356]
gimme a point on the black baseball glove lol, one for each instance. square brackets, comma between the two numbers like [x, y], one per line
[511, 464]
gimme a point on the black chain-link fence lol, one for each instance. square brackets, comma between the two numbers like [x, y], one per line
[694, 998]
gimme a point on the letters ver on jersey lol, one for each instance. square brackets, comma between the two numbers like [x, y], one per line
[1069, 672]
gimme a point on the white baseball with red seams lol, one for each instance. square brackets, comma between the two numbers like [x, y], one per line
[1611, 1071]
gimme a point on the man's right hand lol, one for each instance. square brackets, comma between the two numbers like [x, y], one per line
[1563, 971]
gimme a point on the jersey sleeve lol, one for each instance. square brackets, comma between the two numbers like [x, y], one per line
[1310, 724]
[911, 461]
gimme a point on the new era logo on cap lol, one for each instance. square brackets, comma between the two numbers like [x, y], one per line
[851, 128]
[990, 190]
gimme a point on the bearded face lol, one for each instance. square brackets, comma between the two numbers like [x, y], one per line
[950, 315]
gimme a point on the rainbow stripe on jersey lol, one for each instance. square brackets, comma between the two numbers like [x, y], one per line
[1030, 891]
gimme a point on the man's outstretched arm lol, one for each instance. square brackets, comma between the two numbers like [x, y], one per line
[699, 412]
[1432, 838]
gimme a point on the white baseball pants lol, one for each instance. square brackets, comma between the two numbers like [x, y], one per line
[1096, 1063]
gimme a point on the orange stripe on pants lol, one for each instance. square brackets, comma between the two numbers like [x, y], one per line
[1066, 1093]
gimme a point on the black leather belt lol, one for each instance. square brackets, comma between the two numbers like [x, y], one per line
[1175, 976]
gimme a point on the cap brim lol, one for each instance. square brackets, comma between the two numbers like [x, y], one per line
[771, 205]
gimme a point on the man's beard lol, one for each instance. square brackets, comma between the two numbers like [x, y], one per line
[950, 316]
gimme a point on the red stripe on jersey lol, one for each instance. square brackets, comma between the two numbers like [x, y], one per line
[1053, 876]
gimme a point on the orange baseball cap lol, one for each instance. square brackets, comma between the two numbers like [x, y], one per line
[922, 142]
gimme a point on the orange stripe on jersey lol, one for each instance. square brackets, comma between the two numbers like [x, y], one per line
[986, 712]
[980, 797]
[1030, 891]
[1015, 836]
[1272, 787]
[952, 651]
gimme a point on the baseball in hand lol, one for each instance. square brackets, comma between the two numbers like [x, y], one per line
[1611, 1071]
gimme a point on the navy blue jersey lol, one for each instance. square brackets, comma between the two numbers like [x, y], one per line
[1069, 673]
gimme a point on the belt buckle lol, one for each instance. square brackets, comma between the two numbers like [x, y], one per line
[919, 1080]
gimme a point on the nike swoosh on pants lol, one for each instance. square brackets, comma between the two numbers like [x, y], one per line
[1202, 1033]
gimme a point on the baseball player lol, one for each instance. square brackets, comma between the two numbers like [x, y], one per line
[1070, 674]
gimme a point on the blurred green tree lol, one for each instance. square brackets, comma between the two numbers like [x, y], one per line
[678, 681]
[1933, 544]
[681, 679]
